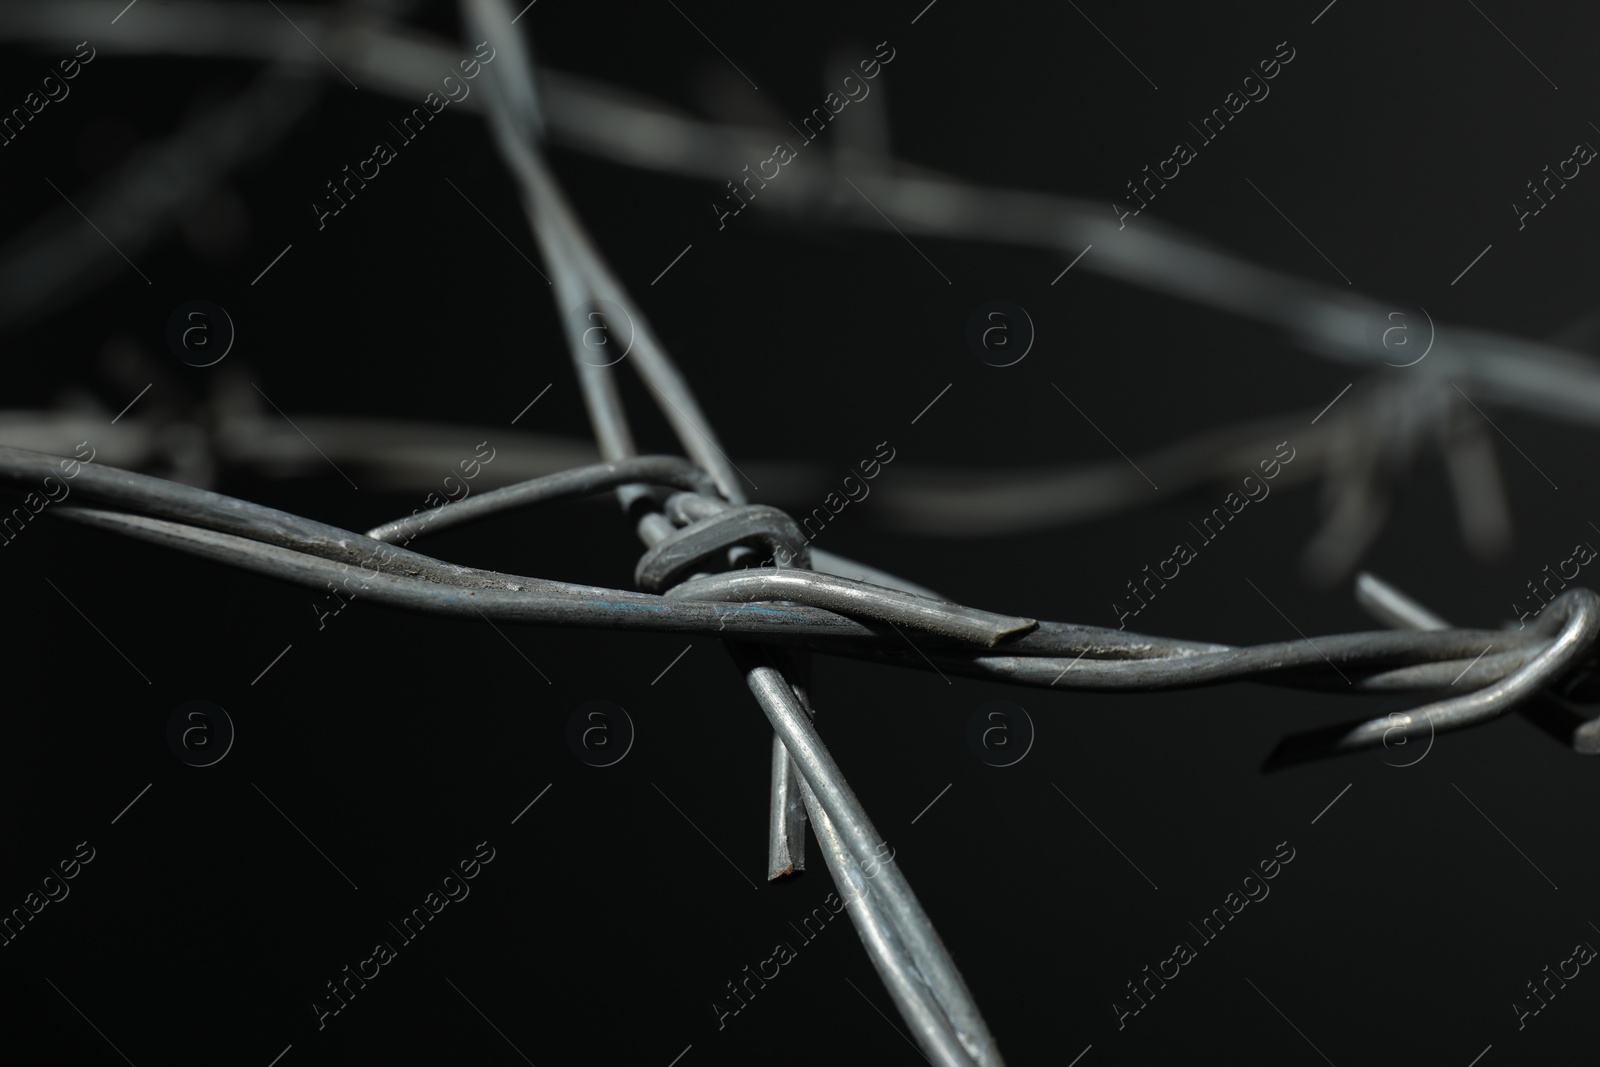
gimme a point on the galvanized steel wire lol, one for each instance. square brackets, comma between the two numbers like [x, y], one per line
[699, 540]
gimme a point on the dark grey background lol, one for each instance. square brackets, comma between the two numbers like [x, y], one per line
[1402, 930]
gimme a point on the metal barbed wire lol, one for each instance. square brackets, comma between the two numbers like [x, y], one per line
[773, 617]
[817, 612]
[1363, 452]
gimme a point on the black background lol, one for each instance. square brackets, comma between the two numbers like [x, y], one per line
[606, 923]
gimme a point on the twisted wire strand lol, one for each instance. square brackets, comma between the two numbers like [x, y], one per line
[902, 943]
[516, 123]
[306, 551]
[915, 946]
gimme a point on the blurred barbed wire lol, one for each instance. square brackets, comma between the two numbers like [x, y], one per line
[1363, 451]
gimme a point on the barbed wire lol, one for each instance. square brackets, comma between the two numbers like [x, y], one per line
[810, 611]
[699, 527]
[1363, 451]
